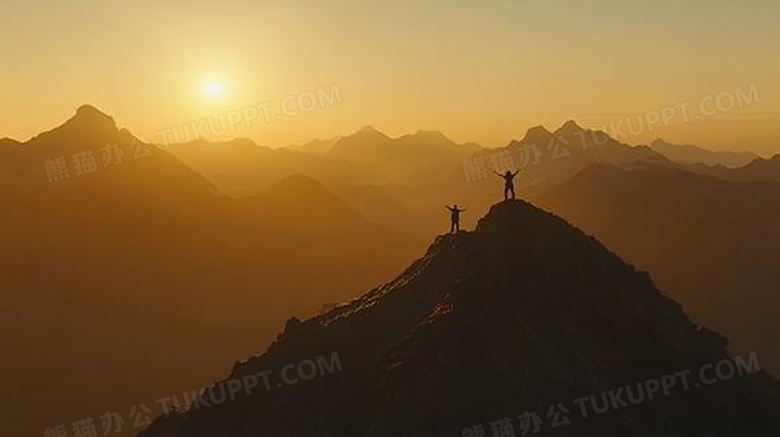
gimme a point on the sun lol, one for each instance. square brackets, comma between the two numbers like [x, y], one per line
[214, 88]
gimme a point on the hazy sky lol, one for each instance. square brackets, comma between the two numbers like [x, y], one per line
[478, 71]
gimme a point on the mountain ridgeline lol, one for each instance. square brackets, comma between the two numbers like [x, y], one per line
[522, 313]
[713, 243]
[117, 276]
[692, 154]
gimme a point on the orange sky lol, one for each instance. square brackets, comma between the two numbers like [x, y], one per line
[478, 72]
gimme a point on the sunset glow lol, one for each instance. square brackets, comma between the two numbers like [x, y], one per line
[390, 218]
[214, 88]
[478, 72]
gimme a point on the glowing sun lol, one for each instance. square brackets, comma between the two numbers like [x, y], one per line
[214, 88]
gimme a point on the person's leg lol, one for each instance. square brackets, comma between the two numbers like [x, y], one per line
[513, 192]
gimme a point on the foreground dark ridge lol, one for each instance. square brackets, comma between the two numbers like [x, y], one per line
[523, 313]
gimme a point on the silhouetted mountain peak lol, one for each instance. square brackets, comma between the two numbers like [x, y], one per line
[693, 154]
[537, 130]
[8, 142]
[304, 195]
[569, 127]
[529, 308]
[90, 119]
[427, 138]
[537, 135]
[505, 216]
[305, 192]
[369, 130]
[239, 143]
[431, 135]
[367, 135]
[769, 168]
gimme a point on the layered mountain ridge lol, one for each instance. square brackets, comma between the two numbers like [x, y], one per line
[118, 275]
[522, 313]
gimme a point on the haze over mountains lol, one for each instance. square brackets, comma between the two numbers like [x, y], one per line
[119, 276]
[569, 152]
[523, 313]
[393, 181]
[366, 156]
[692, 154]
[316, 146]
[151, 276]
[402, 182]
[758, 170]
[713, 244]
[548, 159]
[585, 146]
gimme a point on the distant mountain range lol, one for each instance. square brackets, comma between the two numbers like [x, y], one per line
[576, 148]
[241, 167]
[316, 146]
[548, 159]
[406, 159]
[390, 180]
[213, 244]
[401, 183]
[119, 275]
[759, 170]
[524, 313]
[692, 154]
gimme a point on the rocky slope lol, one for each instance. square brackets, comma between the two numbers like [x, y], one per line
[522, 313]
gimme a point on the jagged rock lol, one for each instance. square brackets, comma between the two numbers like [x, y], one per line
[291, 325]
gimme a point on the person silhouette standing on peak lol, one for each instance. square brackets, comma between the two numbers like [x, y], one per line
[509, 184]
[454, 217]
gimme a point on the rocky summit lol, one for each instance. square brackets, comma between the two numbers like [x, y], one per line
[524, 315]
